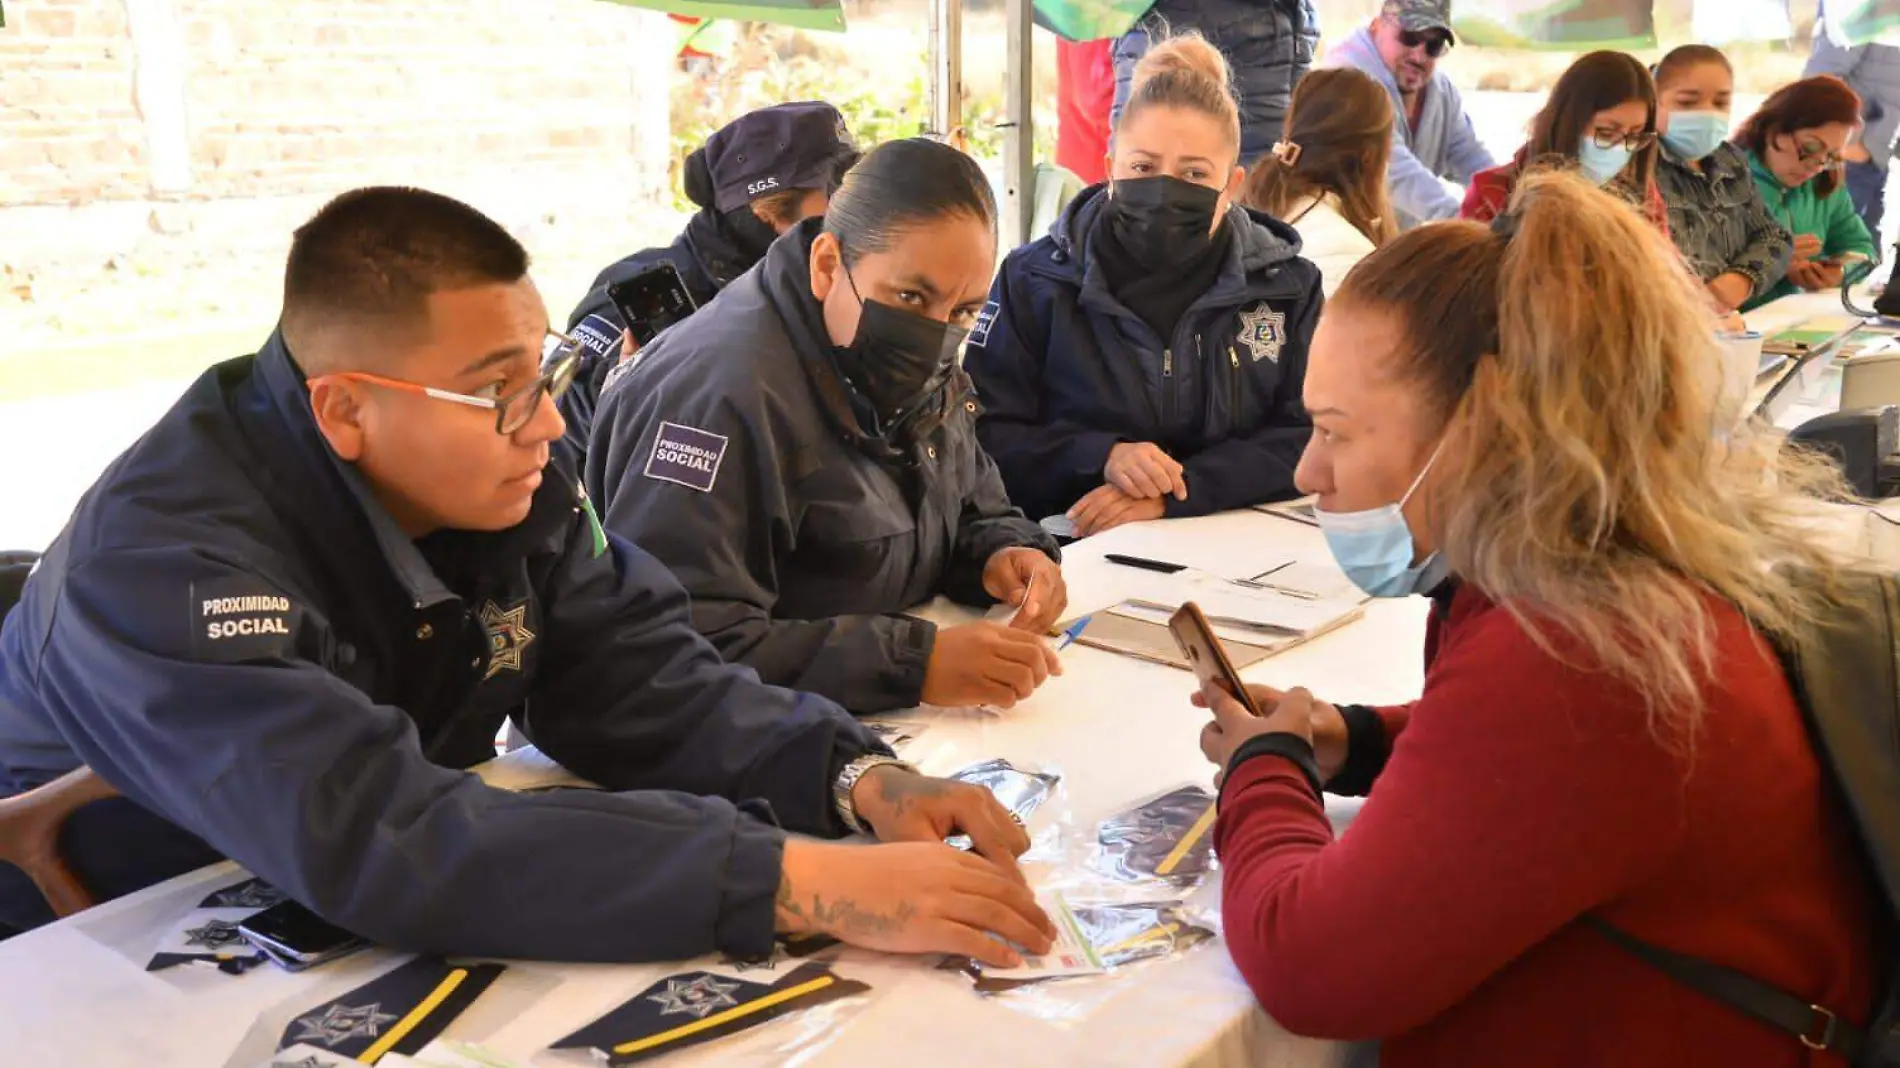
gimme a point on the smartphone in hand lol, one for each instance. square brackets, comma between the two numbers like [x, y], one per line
[651, 301]
[1195, 635]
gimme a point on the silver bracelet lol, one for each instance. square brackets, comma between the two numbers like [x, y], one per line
[847, 781]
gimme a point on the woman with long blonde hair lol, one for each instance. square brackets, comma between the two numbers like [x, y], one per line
[1518, 420]
[1326, 177]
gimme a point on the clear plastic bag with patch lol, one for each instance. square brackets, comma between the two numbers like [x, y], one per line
[1121, 936]
[778, 1012]
[1166, 839]
[374, 1003]
[1026, 794]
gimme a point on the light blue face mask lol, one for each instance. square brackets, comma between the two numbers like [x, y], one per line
[1695, 135]
[1601, 164]
[1374, 547]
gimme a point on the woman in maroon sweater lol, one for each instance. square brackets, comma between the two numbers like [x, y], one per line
[1601, 732]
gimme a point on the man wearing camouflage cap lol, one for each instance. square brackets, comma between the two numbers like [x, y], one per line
[1433, 141]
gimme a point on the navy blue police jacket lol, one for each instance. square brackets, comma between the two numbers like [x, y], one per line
[732, 450]
[233, 633]
[1065, 371]
[707, 258]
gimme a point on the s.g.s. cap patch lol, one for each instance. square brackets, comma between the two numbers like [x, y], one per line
[980, 333]
[241, 618]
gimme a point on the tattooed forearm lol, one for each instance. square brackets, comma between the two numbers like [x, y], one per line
[846, 918]
[791, 917]
[899, 790]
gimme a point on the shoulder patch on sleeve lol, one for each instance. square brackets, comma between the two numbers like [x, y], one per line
[241, 618]
[686, 456]
[600, 335]
[980, 333]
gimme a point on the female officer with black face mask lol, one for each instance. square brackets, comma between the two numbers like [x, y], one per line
[755, 178]
[805, 458]
[1146, 358]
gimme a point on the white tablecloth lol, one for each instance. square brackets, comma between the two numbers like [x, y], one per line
[1117, 730]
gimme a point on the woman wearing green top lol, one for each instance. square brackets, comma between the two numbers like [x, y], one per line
[1794, 146]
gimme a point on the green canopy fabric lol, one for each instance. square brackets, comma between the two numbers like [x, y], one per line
[1555, 25]
[1090, 20]
[1077, 20]
[804, 14]
[1577, 25]
[1856, 22]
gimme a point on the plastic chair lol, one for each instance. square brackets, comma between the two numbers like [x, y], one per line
[29, 836]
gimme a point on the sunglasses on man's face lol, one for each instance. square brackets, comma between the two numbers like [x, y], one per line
[1435, 42]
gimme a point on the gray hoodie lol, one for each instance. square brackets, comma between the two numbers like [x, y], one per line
[1443, 145]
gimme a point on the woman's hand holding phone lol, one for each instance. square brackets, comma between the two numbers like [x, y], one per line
[1294, 712]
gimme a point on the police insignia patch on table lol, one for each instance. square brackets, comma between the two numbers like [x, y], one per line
[209, 933]
[400, 1012]
[694, 1007]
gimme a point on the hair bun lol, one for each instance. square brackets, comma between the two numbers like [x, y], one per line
[1188, 53]
[696, 176]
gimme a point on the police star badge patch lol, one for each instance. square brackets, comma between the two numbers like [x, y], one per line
[209, 934]
[1164, 838]
[695, 997]
[1263, 331]
[508, 637]
[401, 1012]
[694, 1007]
[339, 1023]
[214, 935]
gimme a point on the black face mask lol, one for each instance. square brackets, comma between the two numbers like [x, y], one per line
[898, 358]
[752, 234]
[1163, 222]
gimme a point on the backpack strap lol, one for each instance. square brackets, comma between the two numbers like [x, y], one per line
[1816, 1027]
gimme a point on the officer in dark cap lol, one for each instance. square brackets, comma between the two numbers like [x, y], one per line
[285, 621]
[753, 179]
[805, 459]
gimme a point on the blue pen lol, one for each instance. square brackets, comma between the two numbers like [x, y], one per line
[1075, 631]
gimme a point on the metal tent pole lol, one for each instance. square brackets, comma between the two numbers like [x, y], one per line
[946, 58]
[1019, 142]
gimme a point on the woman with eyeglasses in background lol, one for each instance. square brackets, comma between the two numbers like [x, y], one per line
[1794, 144]
[1720, 223]
[1601, 121]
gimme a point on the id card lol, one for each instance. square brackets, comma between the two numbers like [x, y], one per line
[1071, 954]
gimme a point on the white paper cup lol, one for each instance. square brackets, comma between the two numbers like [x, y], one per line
[1741, 366]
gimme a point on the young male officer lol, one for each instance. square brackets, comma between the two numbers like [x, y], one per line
[286, 619]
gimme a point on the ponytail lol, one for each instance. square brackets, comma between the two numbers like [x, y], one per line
[1583, 488]
[1338, 142]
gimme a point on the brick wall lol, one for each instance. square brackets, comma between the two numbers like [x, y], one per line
[155, 154]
